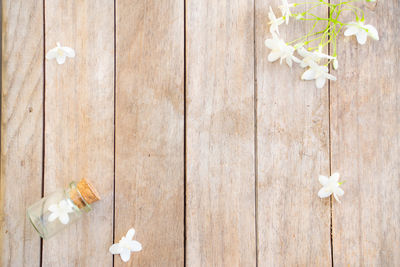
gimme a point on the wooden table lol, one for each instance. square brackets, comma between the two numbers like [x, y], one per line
[194, 139]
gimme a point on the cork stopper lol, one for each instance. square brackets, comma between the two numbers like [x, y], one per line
[84, 192]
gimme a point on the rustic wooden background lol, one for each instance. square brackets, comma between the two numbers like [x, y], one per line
[194, 139]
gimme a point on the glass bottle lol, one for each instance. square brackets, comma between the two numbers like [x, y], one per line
[56, 211]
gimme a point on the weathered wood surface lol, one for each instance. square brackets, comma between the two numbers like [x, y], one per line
[293, 149]
[21, 129]
[79, 124]
[365, 128]
[220, 203]
[149, 170]
[256, 137]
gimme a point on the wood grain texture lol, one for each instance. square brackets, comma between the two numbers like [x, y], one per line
[21, 129]
[220, 134]
[149, 175]
[79, 111]
[365, 144]
[292, 145]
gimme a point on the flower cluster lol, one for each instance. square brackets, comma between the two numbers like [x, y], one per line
[310, 46]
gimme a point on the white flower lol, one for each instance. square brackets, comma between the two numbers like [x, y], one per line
[330, 186]
[361, 31]
[319, 73]
[285, 10]
[60, 53]
[126, 245]
[275, 22]
[60, 211]
[311, 57]
[280, 50]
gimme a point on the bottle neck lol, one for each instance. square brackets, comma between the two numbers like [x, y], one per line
[77, 198]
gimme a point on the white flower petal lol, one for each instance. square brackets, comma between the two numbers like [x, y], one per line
[361, 37]
[115, 249]
[335, 177]
[274, 28]
[320, 82]
[319, 55]
[66, 206]
[330, 76]
[125, 254]
[302, 51]
[303, 64]
[53, 208]
[323, 193]
[69, 52]
[53, 216]
[335, 64]
[285, 10]
[295, 59]
[270, 43]
[60, 59]
[275, 22]
[63, 204]
[289, 61]
[308, 75]
[130, 234]
[351, 30]
[135, 246]
[372, 32]
[52, 53]
[336, 197]
[324, 68]
[273, 56]
[64, 218]
[323, 179]
[339, 191]
[271, 14]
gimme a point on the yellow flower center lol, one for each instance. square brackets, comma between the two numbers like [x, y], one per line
[60, 52]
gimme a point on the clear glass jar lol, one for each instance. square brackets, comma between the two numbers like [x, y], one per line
[56, 211]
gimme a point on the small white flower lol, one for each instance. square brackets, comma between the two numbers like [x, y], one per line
[126, 245]
[60, 211]
[285, 10]
[299, 16]
[60, 53]
[274, 22]
[361, 31]
[319, 73]
[330, 186]
[280, 50]
[311, 57]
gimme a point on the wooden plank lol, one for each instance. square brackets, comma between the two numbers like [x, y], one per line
[220, 134]
[365, 144]
[149, 175]
[79, 111]
[21, 129]
[293, 149]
